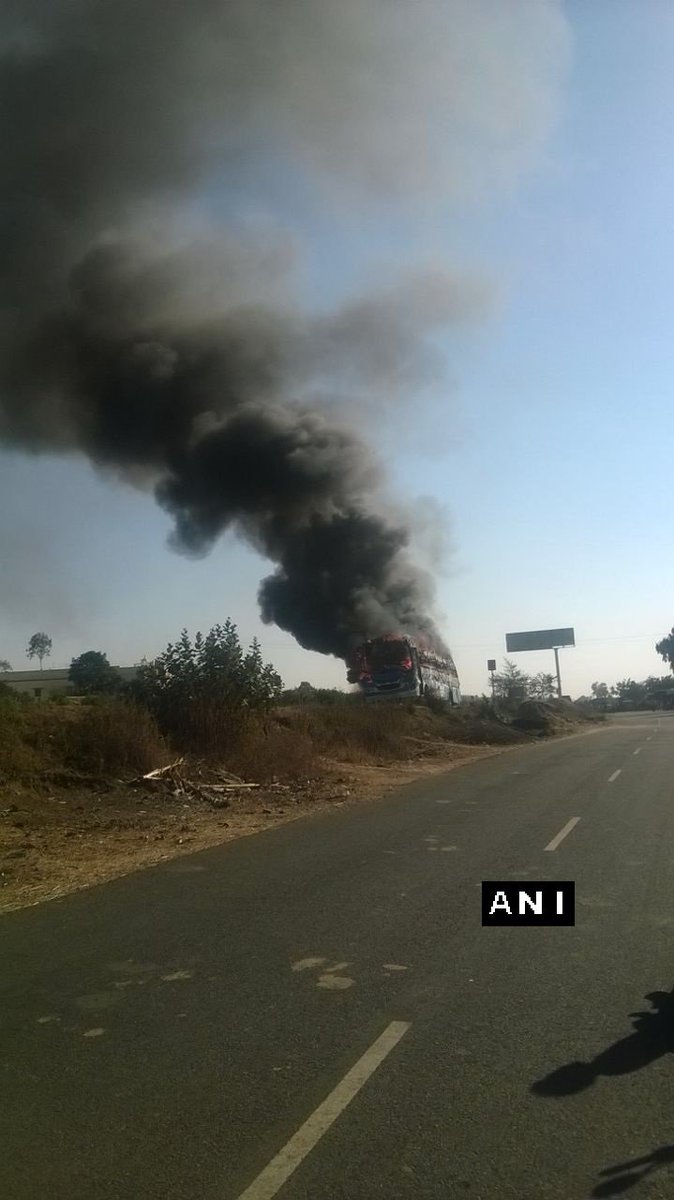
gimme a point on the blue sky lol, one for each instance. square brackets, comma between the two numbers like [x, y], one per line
[551, 449]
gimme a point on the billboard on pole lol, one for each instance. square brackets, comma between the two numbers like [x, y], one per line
[540, 639]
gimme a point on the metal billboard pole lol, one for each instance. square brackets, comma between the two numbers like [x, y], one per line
[559, 678]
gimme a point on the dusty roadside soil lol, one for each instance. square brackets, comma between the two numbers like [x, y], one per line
[78, 832]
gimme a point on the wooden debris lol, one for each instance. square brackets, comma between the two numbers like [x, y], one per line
[230, 787]
[161, 772]
[172, 778]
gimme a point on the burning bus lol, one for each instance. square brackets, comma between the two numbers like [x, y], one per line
[398, 666]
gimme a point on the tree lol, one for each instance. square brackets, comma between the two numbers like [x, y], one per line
[628, 691]
[203, 691]
[600, 694]
[511, 684]
[543, 686]
[660, 691]
[91, 672]
[654, 682]
[5, 665]
[39, 647]
[665, 649]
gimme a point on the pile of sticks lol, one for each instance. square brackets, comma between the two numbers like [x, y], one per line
[217, 789]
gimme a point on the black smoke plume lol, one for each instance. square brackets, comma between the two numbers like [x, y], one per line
[169, 346]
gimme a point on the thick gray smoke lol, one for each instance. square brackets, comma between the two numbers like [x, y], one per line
[176, 353]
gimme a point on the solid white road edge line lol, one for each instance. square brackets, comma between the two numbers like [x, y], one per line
[615, 775]
[562, 833]
[301, 1143]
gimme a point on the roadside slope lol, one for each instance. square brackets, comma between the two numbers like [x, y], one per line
[65, 825]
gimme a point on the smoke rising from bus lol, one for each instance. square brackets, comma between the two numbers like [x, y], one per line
[151, 315]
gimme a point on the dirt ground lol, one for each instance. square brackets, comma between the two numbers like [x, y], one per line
[78, 832]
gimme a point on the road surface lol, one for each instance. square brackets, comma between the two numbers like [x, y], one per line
[317, 1012]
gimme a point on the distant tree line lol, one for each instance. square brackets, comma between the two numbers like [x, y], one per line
[657, 691]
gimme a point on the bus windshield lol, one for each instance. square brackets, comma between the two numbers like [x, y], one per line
[385, 653]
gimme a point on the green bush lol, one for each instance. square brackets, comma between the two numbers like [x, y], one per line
[203, 693]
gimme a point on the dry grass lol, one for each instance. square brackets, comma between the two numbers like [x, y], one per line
[267, 750]
[351, 733]
[115, 737]
[28, 742]
[118, 738]
[38, 741]
[206, 728]
[392, 732]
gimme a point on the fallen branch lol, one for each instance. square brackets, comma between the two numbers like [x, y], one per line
[160, 772]
[230, 787]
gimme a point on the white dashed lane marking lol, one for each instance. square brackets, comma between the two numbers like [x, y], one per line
[637, 751]
[272, 1178]
[612, 778]
[562, 833]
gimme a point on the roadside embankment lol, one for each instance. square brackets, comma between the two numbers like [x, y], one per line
[77, 806]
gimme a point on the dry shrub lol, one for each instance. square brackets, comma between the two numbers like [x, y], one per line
[476, 724]
[353, 733]
[267, 751]
[391, 731]
[115, 736]
[28, 743]
[478, 731]
[205, 727]
[209, 728]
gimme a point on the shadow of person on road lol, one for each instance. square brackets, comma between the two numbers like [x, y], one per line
[653, 1037]
[626, 1174]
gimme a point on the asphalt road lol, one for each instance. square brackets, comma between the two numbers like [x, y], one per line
[317, 1011]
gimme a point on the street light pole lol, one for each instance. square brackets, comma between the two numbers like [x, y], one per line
[491, 667]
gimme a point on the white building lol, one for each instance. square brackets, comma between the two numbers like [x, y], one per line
[42, 684]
